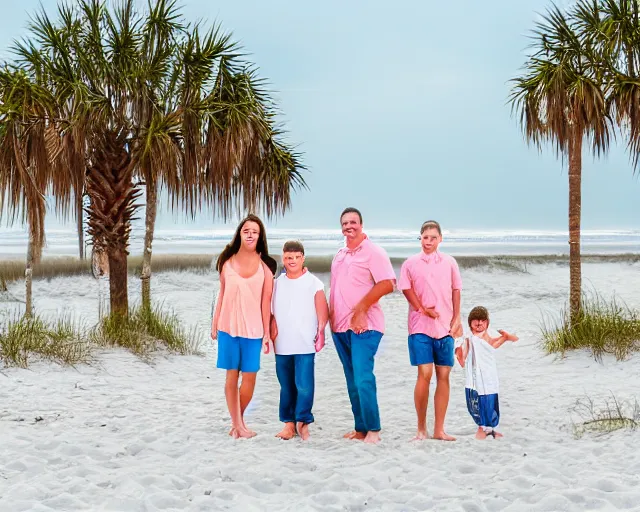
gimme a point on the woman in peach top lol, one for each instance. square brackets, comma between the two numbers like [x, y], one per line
[242, 316]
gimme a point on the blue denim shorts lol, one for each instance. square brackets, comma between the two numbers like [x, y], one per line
[424, 349]
[236, 353]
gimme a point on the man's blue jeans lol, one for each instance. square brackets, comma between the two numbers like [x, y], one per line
[297, 382]
[356, 353]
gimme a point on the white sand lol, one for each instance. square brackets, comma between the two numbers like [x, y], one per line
[128, 436]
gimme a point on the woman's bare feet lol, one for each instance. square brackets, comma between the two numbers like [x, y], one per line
[443, 436]
[354, 434]
[372, 437]
[243, 433]
[303, 430]
[288, 432]
[481, 434]
[421, 435]
[497, 435]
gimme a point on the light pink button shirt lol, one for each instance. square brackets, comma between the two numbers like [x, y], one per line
[433, 278]
[354, 272]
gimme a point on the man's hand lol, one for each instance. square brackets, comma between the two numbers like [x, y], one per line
[265, 343]
[359, 321]
[456, 327]
[214, 334]
[319, 341]
[507, 336]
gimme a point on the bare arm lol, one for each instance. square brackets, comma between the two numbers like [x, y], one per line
[502, 339]
[456, 326]
[379, 290]
[322, 310]
[412, 299]
[267, 292]
[462, 352]
[216, 316]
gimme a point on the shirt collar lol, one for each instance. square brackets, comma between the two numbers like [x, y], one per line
[358, 248]
[434, 257]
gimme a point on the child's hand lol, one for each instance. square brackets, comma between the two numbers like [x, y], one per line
[430, 312]
[273, 328]
[319, 341]
[265, 343]
[459, 356]
[507, 336]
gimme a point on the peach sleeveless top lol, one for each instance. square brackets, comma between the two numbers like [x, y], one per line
[241, 310]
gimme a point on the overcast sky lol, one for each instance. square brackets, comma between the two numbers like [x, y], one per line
[400, 109]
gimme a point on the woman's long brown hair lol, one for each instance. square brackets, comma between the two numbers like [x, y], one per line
[261, 247]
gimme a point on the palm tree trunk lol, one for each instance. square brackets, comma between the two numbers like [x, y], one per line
[150, 224]
[80, 225]
[575, 206]
[110, 187]
[28, 279]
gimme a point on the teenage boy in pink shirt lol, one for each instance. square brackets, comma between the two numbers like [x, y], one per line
[431, 283]
[361, 274]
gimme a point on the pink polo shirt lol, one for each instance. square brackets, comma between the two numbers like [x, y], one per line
[353, 274]
[433, 278]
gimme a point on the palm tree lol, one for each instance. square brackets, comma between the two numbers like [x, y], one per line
[559, 99]
[146, 97]
[25, 173]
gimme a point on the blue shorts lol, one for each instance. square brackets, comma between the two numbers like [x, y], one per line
[424, 349]
[236, 353]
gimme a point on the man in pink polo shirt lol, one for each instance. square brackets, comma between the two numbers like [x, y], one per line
[431, 283]
[361, 273]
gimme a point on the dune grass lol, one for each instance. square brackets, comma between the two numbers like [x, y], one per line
[605, 327]
[145, 331]
[23, 339]
[610, 417]
[12, 270]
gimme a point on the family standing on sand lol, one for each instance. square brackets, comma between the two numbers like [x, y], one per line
[253, 311]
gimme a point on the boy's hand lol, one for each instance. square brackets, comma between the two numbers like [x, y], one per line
[459, 356]
[273, 328]
[265, 343]
[430, 312]
[319, 341]
[507, 336]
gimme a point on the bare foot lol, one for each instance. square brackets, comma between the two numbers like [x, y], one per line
[421, 435]
[288, 432]
[443, 436]
[497, 435]
[372, 437]
[354, 434]
[232, 431]
[243, 434]
[303, 430]
[481, 434]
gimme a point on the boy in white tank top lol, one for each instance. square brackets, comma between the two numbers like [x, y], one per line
[476, 353]
[299, 316]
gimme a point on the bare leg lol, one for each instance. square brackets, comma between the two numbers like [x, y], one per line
[246, 394]
[441, 400]
[354, 434]
[372, 437]
[232, 395]
[288, 432]
[421, 399]
[303, 430]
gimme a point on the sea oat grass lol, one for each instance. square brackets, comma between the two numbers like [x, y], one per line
[25, 339]
[145, 331]
[603, 327]
[610, 417]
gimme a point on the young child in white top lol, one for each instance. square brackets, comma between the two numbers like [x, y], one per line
[476, 353]
[299, 317]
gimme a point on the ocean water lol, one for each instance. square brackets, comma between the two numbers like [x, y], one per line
[325, 242]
